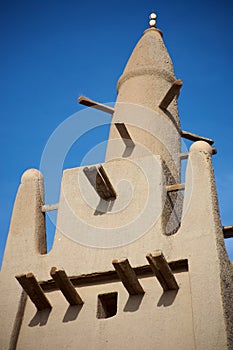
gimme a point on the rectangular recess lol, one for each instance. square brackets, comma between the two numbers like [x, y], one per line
[107, 305]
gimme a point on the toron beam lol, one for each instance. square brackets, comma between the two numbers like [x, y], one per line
[100, 182]
[227, 231]
[162, 271]
[184, 156]
[107, 182]
[109, 276]
[49, 207]
[176, 187]
[34, 291]
[172, 92]
[121, 128]
[128, 276]
[90, 103]
[214, 150]
[193, 137]
[66, 286]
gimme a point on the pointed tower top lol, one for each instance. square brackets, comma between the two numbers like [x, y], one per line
[152, 22]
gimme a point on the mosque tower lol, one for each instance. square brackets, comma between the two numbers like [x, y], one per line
[138, 260]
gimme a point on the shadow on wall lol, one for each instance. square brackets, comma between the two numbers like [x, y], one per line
[72, 313]
[167, 298]
[133, 303]
[41, 317]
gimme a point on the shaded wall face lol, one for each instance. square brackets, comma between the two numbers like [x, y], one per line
[156, 319]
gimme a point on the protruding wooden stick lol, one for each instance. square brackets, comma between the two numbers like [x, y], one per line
[31, 286]
[194, 137]
[214, 150]
[100, 182]
[128, 276]
[184, 156]
[172, 92]
[105, 177]
[49, 207]
[227, 231]
[176, 187]
[121, 128]
[162, 271]
[65, 285]
[90, 103]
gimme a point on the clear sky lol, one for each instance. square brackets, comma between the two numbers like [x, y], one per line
[53, 51]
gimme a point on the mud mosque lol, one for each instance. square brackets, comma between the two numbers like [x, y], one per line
[138, 260]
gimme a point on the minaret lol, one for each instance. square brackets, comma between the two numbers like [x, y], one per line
[147, 104]
[146, 112]
[123, 273]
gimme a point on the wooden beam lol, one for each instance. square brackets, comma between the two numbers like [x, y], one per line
[175, 187]
[49, 207]
[90, 103]
[32, 287]
[227, 231]
[184, 156]
[110, 276]
[170, 95]
[128, 276]
[121, 128]
[109, 187]
[162, 271]
[65, 285]
[194, 137]
[214, 150]
[100, 182]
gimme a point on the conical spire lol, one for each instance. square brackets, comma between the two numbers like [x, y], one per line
[149, 72]
[147, 81]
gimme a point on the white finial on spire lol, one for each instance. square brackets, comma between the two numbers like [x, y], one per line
[153, 20]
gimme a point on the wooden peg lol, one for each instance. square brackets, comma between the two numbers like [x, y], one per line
[65, 285]
[175, 187]
[100, 182]
[227, 231]
[90, 103]
[49, 207]
[171, 94]
[194, 137]
[128, 276]
[162, 271]
[122, 129]
[33, 289]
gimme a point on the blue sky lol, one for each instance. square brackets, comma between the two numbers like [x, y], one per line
[54, 51]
